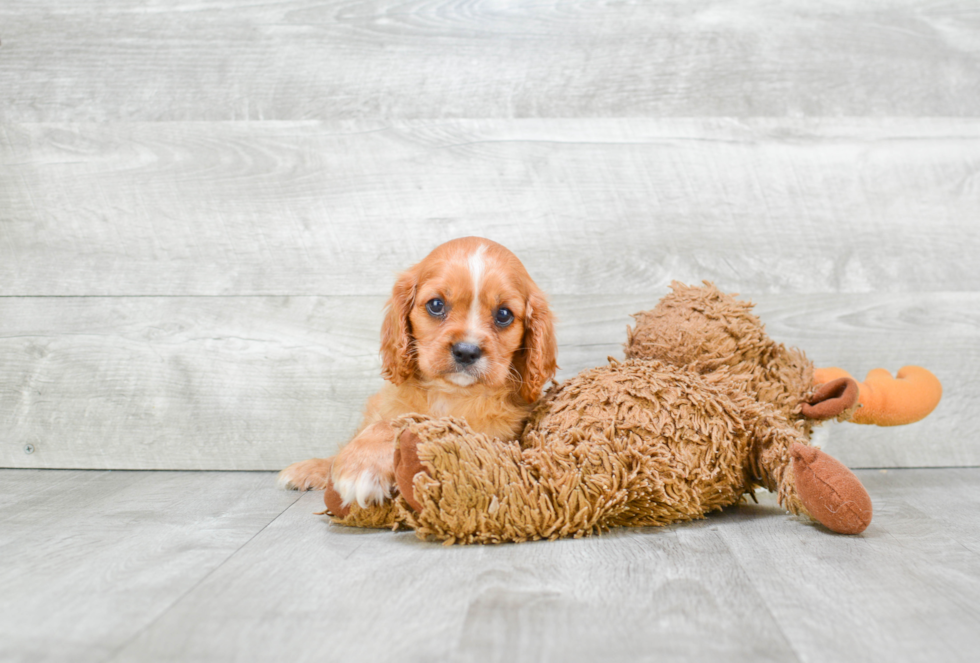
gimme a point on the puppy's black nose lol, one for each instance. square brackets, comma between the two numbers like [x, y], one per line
[466, 353]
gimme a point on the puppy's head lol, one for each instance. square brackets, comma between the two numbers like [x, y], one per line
[469, 314]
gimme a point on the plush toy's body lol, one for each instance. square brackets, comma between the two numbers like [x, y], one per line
[705, 409]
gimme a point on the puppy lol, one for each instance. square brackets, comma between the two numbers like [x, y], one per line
[467, 334]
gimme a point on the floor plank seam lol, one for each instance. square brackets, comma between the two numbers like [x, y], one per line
[193, 588]
[752, 581]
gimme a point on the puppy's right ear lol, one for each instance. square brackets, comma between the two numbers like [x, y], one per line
[397, 344]
[536, 362]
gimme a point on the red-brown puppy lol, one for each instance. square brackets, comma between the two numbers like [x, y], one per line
[467, 334]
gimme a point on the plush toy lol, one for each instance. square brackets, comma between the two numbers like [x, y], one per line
[705, 409]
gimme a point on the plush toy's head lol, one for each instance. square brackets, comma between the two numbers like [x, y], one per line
[706, 330]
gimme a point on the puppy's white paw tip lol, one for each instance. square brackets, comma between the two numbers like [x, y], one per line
[366, 489]
[371, 489]
[285, 481]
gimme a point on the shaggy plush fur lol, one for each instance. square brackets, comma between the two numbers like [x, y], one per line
[705, 409]
[678, 446]
[703, 330]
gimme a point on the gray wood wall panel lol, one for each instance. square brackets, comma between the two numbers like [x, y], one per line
[188, 383]
[203, 204]
[221, 60]
[592, 206]
[259, 382]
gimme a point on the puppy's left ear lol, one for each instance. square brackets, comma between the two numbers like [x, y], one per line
[536, 360]
[397, 342]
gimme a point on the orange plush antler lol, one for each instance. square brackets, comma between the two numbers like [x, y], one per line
[888, 401]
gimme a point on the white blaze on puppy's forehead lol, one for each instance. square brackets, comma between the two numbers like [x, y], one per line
[477, 266]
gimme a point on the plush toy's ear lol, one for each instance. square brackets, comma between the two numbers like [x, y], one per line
[832, 399]
[535, 361]
[397, 344]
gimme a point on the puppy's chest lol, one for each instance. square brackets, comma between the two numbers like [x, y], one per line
[497, 418]
[442, 406]
[469, 408]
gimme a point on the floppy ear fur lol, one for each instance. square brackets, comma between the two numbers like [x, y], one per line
[397, 344]
[536, 360]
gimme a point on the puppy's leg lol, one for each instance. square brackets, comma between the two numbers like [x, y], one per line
[364, 470]
[312, 474]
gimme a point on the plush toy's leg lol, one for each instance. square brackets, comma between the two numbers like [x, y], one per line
[830, 491]
[458, 486]
[461, 487]
[808, 481]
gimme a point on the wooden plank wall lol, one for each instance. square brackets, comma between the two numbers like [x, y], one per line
[203, 205]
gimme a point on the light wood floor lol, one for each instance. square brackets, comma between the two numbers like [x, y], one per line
[221, 566]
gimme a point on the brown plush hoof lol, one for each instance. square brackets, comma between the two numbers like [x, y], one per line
[331, 498]
[407, 465]
[829, 491]
[832, 399]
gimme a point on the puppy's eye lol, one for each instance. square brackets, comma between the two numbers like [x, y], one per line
[436, 307]
[503, 316]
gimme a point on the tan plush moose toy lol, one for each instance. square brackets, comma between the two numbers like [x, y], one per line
[705, 409]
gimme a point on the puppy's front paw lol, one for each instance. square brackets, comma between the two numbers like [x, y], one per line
[367, 478]
[312, 474]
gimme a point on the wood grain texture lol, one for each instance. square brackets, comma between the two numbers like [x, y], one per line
[592, 206]
[950, 498]
[93, 558]
[203, 205]
[200, 566]
[186, 383]
[906, 589]
[305, 587]
[260, 382]
[202, 208]
[221, 60]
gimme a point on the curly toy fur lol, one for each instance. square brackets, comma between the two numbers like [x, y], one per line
[704, 410]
